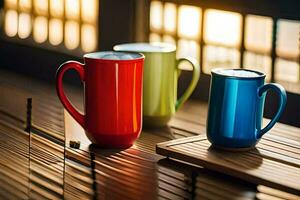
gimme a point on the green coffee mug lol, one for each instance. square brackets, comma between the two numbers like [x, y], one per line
[160, 81]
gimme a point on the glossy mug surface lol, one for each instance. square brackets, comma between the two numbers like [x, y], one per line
[113, 97]
[160, 81]
[236, 105]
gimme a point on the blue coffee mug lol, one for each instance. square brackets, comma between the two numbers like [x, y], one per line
[236, 105]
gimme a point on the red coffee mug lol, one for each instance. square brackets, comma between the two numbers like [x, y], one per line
[113, 97]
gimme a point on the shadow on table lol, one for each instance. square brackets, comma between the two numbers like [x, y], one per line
[201, 183]
[164, 131]
[124, 173]
[247, 160]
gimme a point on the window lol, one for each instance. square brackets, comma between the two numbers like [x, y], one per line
[179, 25]
[258, 44]
[229, 39]
[222, 36]
[288, 51]
[69, 24]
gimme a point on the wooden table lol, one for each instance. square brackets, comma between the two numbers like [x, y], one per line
[40, 164]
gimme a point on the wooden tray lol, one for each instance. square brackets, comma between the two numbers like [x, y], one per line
[275, 162]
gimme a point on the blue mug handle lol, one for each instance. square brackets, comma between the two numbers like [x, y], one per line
[282, 103]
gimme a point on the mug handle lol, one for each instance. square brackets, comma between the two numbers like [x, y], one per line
[282, 103]
[193, 83]
[60, 91]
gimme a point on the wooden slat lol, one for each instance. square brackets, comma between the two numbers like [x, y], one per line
[276, 193]
[255, 166]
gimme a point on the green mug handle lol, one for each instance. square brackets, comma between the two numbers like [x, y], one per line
[193, 83]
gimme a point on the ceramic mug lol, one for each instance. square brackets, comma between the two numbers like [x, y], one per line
[236, 104]
[160, 81]
[112, 94]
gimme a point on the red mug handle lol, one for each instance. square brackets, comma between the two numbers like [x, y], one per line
[60, 91]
